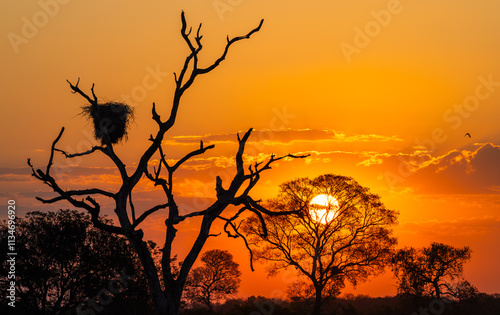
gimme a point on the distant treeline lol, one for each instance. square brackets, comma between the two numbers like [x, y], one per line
[482, 304]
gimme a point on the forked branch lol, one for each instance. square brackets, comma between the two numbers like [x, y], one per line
[143, 216]
[229, 43]
[49, 164]
[76, 89]
[91, 205]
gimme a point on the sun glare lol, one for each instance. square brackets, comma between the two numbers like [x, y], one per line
[323, 208]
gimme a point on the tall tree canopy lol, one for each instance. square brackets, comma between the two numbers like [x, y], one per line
[345, 237]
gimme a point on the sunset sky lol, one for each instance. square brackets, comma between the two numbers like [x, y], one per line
[382, 91]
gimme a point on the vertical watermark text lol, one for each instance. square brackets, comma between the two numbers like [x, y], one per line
[11, 252]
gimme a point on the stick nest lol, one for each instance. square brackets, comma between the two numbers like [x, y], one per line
[112, 119]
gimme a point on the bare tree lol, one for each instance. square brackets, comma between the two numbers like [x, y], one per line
[434, 271]
[237, 192]
[218, 278]
[355, 241]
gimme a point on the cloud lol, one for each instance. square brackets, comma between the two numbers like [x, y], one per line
[283, 137]
[15, 171]
[373, 158]
[471, 170]
[15, 178]
[459, 171]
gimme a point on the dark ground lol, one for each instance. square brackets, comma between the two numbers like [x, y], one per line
[361, 305]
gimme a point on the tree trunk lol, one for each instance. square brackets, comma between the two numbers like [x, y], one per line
[318, 302]
[209, 303]
[168, 304]
[160, 300]
[172, 309]
[438, 290]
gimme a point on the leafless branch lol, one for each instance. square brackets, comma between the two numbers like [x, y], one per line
[156, 117]
[78, 193]
[156, 179]
[49, 164]
[97, 221]
[76, 89]
[241, 149]
[252, 204]
[237, 235]
[201, 150]
[189, 215]
[146, 213]
[72, 155]
[132, 208]
[273, 159]
[109, 151]
[93, 208]
[163, 160]
[229, 43]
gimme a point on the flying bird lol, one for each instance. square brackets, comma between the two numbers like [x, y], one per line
[467, 134]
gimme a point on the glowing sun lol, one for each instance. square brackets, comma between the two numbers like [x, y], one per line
[323, 208]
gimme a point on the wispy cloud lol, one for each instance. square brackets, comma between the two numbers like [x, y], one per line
[460, 171]
[472, 170]
[284, 137]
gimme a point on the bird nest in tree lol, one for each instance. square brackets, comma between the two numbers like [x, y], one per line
[111, 119]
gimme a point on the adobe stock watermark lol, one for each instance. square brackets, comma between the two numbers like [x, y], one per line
[265, 307]
[364, 35]
[11, 253]
[436, 307]
[223, 6]
[105, 296]
[454, 117]
[32, 25]
[150, 81]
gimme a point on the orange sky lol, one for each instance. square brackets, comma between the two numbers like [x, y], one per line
[382, 91]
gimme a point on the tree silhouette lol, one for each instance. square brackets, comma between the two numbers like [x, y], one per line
[166, 295]
[356, 243]
[302, 290]
[429, 270]
[64, 261]
[217, 279]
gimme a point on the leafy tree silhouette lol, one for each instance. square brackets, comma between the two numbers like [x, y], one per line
[353, 245]
[62, 261]
[217, 279]
[434, 271]
[166, 289]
